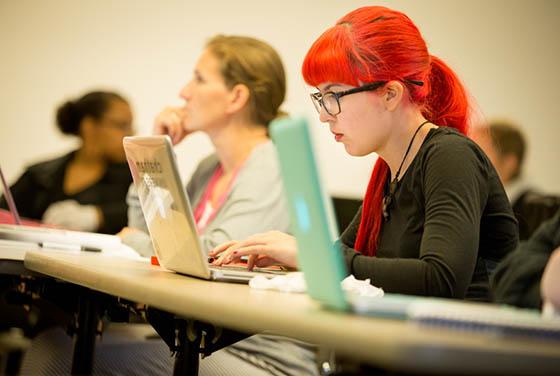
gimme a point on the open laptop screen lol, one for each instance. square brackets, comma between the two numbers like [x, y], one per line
[312, 216]
[165, 205]
[10, 199]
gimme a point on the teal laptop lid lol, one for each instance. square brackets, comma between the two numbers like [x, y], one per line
[312, 217]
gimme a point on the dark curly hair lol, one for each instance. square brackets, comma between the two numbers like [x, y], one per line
[94, 104]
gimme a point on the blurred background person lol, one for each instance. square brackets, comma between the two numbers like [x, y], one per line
[505, 145]
[83, 190]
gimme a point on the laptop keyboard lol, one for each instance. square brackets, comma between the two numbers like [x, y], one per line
[243, 268]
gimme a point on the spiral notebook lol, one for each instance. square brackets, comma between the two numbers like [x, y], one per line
[323, 266]
[487, 318]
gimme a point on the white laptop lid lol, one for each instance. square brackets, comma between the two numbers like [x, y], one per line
[165, 205]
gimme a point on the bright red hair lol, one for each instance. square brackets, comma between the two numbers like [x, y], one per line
[379, 44]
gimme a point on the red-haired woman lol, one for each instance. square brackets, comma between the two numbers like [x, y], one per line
[435, 217]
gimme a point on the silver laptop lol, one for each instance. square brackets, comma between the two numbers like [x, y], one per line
[168, 212]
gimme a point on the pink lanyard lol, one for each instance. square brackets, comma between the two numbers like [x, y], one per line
[201, 207]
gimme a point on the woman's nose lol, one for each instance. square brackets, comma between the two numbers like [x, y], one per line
[185, 92]
[324, 116]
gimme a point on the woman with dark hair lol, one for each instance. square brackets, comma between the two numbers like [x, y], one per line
[435, 217]
[85, 189]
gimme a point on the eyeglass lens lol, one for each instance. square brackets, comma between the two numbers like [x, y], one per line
[327, 100]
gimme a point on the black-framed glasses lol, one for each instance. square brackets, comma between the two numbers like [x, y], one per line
[330, 100]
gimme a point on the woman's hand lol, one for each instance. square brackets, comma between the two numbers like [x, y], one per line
[170, 122]
[72, 215]
[550, 283]
[269, 248]
[127, 231]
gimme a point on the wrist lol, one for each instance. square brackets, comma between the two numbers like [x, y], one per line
[99, 217]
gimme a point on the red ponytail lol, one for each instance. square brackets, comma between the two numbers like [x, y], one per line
[447, 103]
[379, 44]
[370, 224]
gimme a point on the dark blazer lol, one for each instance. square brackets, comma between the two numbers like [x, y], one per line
[517, 278]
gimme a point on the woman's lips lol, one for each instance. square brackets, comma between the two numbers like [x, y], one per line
[338, 136]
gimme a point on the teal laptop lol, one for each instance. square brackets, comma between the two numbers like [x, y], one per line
[314, 225]
[313, 221]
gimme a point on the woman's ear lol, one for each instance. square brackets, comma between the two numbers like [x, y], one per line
[238, 98]
[393, 95]
[87, 127]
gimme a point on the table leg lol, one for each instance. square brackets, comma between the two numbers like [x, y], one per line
[85, 335]
[188, 349]
[188, 338]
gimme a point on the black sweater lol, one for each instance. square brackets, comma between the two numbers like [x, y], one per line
[449, 224]
[517, 280]
[42, 184]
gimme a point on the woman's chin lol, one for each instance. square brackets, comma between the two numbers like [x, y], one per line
[353, 151]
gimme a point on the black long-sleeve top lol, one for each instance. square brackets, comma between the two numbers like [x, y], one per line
[449, 224]
[42, 184]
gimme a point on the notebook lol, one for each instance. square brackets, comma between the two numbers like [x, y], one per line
[169, 215]
[324, 268]
[31, 232]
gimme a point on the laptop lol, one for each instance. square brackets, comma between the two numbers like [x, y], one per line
[311, 213]
[10, 199]
[169, 215]
[320, 257]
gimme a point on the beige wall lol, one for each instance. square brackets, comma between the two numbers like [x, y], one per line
[507, 53]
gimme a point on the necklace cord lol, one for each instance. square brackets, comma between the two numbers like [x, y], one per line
[408, 149]
[388, 199]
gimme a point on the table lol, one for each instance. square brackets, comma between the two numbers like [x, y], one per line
[391, 344]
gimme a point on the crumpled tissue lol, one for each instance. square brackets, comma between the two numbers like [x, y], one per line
[290, 282]
[361, 287]
[294, 282]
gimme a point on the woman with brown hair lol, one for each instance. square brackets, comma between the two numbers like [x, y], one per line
[236, 90]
